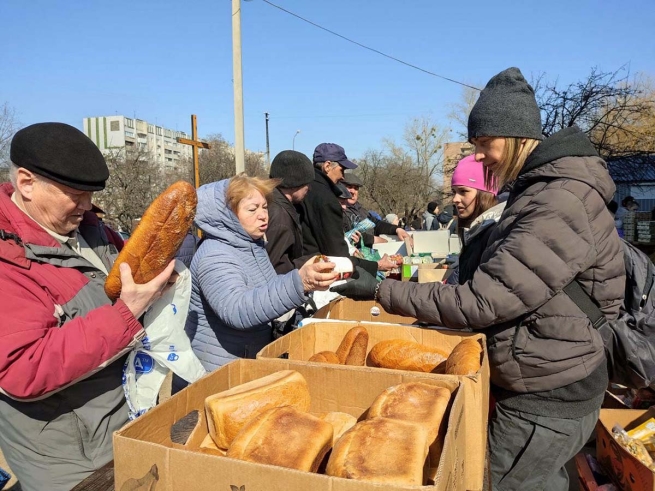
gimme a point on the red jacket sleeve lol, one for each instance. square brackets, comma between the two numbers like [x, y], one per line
[38, 357]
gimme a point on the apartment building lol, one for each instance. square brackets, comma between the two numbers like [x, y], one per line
[453, 153]
[120, 133]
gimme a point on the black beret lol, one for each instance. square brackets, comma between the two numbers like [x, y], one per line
[61, 153]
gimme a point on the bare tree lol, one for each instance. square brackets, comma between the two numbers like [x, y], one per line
[9, 124]
[219, 162]
[459, 111]
[135, 180]
[402, 178]
[606, 105]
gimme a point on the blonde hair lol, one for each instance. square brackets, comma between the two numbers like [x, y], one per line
[242, 186]
[516, 152]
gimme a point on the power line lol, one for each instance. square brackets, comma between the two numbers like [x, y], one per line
[369, 48]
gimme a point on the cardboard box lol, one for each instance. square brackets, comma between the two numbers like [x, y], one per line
[425, 273]
[624, 468]
[396, 247]
[145, 442]
[359, 310]
[432, 241]
[321, 335]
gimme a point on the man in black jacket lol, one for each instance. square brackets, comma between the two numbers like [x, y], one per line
[321, 215]
[284, 234]
[355, 213]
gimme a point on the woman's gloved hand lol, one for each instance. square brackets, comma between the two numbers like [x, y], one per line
[361, 286]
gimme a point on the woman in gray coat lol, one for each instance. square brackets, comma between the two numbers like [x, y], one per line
[235, 290]
[548, 368]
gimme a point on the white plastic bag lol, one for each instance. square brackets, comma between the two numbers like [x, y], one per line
[165, 347]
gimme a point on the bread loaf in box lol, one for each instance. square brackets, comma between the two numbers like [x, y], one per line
[341, 422]
[157, 238]
[465, 359]
[413, 402]
[326, 357]
[284, 437]
[229, 411]
[381, 450]
[353, 347]
[401, 354]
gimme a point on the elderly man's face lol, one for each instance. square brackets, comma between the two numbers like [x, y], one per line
[53, 205]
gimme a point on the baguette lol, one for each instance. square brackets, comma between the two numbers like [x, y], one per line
[353, 347]
[326, 357]
[381, 450]
[284, 437]
[341, 422]
[157, 238]
[229, 411]
[407, 355]
[465, 358]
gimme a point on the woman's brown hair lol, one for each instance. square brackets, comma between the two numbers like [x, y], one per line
[242, 186]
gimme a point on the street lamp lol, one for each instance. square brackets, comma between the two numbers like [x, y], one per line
[293, 145]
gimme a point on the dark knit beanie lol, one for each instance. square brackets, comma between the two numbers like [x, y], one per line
[61, 153]
[432, 205]
[294, 168]
[506, 107]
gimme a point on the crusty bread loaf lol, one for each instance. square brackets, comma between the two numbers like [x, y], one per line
[157, 237]
[326, 357]
[413, 402]
[353, 347]
[229, 411]
[208, 446]
[341, 422]
[465, 359]
[407, 355]
[284, 437]
[382, 450]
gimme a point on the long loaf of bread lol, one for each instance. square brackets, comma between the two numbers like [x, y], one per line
[229, 411]
[157, 237]
[407, 355]
[284, 437]
[465, 359]
[353, 347]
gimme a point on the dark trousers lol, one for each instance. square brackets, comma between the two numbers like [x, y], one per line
[529, 452]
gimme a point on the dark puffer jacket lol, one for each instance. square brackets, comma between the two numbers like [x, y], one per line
[555, 228]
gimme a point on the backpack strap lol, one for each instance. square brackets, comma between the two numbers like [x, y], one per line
[585, 303]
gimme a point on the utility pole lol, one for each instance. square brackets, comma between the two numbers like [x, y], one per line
[239, 141]
[268, 148]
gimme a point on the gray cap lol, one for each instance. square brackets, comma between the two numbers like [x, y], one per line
[352, 179]
[506, 107]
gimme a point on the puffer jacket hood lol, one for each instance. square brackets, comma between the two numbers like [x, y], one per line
[552, 159]
[215, 218]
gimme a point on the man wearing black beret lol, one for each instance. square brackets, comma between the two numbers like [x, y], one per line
[62, 341]
[284, 233]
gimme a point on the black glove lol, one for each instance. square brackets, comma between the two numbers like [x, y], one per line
[361, 286]
[371, 267]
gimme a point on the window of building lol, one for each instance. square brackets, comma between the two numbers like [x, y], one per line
[151, 128]
[130, 134]
[129, 122]
[159, 130]
[114, 126]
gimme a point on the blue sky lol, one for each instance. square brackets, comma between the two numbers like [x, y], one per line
[63, 60]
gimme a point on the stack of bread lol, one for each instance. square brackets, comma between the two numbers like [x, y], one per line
[401, 354]
[266, 421]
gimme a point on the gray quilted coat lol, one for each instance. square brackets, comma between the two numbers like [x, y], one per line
[555, 228]
[235, 290]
